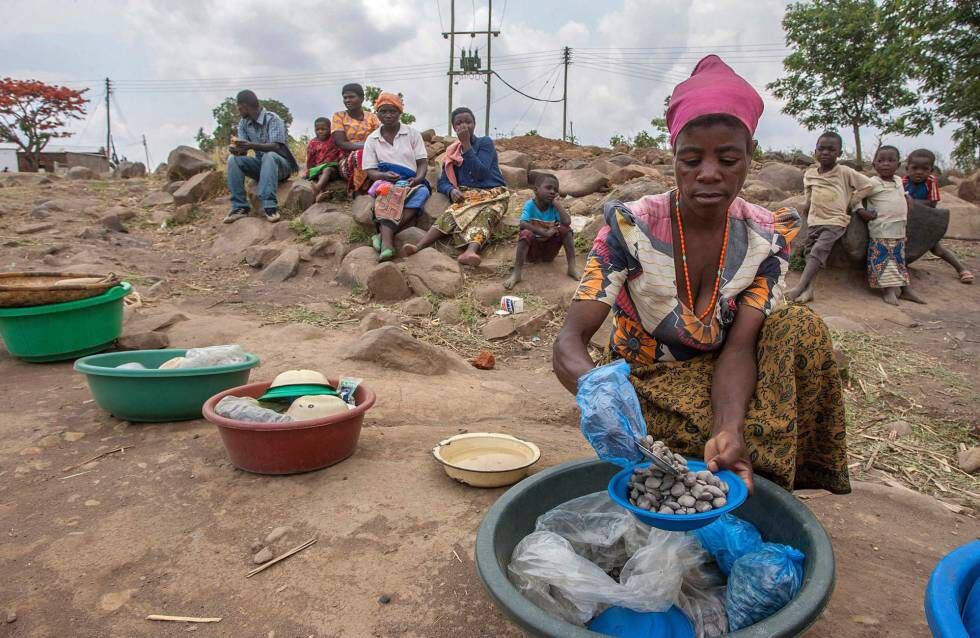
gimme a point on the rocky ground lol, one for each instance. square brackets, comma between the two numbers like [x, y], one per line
[168, 526]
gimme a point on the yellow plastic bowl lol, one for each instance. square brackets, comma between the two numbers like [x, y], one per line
[485, 459]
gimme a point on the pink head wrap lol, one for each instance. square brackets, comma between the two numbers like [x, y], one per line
[713, 88]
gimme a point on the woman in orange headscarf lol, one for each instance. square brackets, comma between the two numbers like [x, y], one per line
[695, 278]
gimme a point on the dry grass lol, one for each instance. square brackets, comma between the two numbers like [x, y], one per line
[890, 381]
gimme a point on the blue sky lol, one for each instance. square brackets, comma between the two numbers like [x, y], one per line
[173, 62]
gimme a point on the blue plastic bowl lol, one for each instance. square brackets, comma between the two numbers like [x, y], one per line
[619, 493]
[952, 606]
[626, 623]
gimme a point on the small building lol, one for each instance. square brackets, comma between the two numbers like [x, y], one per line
[8, 158]
[53, 158]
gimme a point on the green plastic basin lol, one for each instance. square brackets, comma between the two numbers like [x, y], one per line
[778, 515]
[61, 331]
[157, 395]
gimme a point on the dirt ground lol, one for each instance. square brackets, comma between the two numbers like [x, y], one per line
[168, 526]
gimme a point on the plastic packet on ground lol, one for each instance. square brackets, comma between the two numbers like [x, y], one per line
[728, 539]
[761, 583]
[556, 575]
[706, 609]
[212, 356]
[612, 420]
[132, 365]
[347, 387]
[248, 409]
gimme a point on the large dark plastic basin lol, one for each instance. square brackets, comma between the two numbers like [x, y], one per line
[289, 448]
[778, 515]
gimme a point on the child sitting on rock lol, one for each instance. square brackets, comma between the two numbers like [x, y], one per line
[545, 229]
[886, 247]
[833, 191]
[322, 155]
[921, 184]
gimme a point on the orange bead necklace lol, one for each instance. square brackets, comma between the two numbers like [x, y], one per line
[687, 277]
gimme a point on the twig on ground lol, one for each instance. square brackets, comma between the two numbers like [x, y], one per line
[275, 560]
[181, 618]
[97, 457]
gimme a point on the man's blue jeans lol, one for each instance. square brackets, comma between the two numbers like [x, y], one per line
[268, 171]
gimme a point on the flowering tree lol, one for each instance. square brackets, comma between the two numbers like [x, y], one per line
[32, 112]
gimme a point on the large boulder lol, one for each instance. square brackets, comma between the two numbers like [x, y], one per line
[200, 187]
[781, 176]
[435, 206]
[411, 235]
[605, 166]
[759, 192]
[634, 190]
[621, 159]
[185, 162]
[581, 182]
[129, 170]
[969, 189]
[964, 218]
[926, 226]
[514, 177]
[625, 173]
[392, 347]
[385, 282]
[325, 219]
[173, 187]
[515, 159]
[233, 239]
[80, 172]
[300, 196]
[431, 271]
[363, 209]
[357, 265]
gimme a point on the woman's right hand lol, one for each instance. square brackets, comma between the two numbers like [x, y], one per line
[456, 196]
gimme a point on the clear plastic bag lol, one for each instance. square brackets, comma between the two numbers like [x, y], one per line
[728, 539]
[212, 356]
[248, 409]
[612, 420]
[706, 609]
[555, 574]
[132, 365]
[761, 583]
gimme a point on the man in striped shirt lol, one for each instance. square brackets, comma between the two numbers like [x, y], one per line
[263, 132]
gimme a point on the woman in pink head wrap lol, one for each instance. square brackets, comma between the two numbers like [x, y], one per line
[695, 278]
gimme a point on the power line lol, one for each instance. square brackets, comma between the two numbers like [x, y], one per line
[517, 90]
[439, 9]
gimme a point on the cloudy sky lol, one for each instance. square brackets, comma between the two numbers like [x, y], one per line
[172, 62]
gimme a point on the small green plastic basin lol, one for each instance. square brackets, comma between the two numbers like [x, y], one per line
[153, 395]
[61, 331]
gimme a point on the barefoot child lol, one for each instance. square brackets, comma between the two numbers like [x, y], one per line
[833, 191]
[886, 248]
[545, 229]
[922, 185]
[322, 155]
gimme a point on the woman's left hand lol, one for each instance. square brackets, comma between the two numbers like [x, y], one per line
[725, 450]
[417, 181]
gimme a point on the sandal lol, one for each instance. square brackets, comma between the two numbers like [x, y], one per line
[386, 255]
[966, 277]
[376, 242]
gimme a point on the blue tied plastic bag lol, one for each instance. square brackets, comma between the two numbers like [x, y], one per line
[728, 539]
[612, 420]
[761, 583]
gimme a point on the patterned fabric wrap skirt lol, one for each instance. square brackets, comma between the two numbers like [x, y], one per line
[886, 263]
[351, 171]
[794, 425]
[473, 220]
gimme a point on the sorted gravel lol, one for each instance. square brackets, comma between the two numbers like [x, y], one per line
[688, 493]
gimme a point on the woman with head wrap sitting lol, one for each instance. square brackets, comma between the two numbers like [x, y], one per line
[396, 162]
[472, 181]
[695, 279]
[349, 129]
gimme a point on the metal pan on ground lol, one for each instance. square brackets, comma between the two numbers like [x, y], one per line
[486, 459]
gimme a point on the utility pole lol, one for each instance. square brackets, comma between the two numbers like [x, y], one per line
[566, 58]
[146, 152]
[108, 122]
[452, 57]
[486, 127]
[465, 70]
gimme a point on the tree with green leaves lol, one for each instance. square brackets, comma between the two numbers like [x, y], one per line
[644, 139]
[942, 49]
[849, 68]
[371, 93]
[226, 117]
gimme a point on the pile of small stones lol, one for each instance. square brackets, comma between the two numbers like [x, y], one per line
[688, 493]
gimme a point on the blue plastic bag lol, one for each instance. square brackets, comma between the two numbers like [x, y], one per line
[728, 539]
[761, 583]
[612, 420]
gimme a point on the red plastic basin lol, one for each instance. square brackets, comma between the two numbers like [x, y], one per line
[289, 448]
